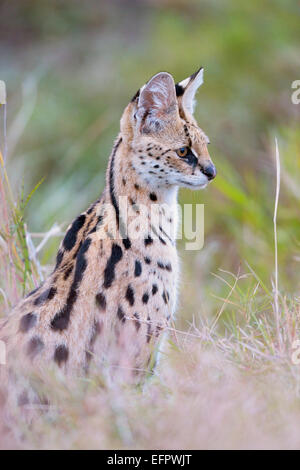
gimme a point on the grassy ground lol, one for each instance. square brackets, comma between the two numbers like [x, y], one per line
[229, 387]
[228, 380]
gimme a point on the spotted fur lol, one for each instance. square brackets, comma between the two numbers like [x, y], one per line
[111, 298]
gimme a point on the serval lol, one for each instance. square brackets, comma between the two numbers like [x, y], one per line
[112, 293]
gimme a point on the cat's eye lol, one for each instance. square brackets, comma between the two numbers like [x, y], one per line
[182, 152]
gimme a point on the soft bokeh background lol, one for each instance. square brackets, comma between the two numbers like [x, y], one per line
[70, 69]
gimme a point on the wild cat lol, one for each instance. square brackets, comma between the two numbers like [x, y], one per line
[111, 295]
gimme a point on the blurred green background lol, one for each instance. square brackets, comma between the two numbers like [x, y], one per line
[71, 68]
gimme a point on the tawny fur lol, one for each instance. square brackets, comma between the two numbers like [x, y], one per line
[110, 300]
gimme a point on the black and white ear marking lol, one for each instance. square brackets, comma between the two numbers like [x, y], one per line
[187, 89]
[156, 103]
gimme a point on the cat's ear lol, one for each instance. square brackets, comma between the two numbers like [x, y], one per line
[157, 103]
[187, 90]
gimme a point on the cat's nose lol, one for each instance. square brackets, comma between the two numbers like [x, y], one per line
[209, 171]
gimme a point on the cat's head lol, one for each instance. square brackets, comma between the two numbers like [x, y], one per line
[168, 147]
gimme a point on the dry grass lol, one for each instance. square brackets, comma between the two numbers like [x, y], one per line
[202, 399]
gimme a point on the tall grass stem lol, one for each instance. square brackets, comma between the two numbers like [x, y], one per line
[276, 291]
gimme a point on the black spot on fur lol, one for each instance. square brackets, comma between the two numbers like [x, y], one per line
[153, 197]
[81, 263]
[130, 295]
[121, 315]
[162, 240]
[92, 207]
[97, 225]
[149, 332]
[137, 268]
[145, 298]
[90, 210]
[77, 250]
[101, 301]
[71, 235]
[61, 319]
[32, 292]
[166, 266]
[186, 131]
[46, 295]
[157, 235]
[137, 321]
[109, 272]
[27, 322]
[68, 272]
[95, 332]
[136, 186]
[34, 346]
[158, 330]
[165, 296]
[120, 223]
[61, 354]
[154, 289]
[126, 243]
[148, 241]
[51, 293]
[165, 234]
[59, 258]
[147, 260]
